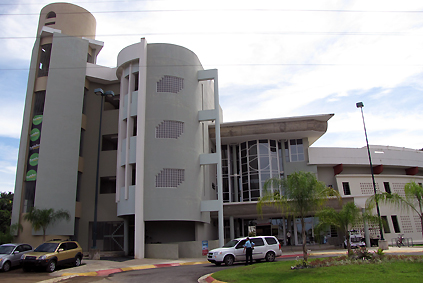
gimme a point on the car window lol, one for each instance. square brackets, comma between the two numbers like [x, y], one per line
[241, 244]
[271, 241]
[71, 245]
[230, 244]
[20, 248]
[63, 246]
[46, 247]
[6, 249]
[27, 247]
[258, 242]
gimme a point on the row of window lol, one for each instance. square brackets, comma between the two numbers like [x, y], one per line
[367, 188]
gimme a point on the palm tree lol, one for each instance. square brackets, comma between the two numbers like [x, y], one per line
[299, 195]
[413, 199]
[343, 220]
[42, 218]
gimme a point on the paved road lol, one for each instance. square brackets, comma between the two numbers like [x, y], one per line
[177, 274]
[17, 275]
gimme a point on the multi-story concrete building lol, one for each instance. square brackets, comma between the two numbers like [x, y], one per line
[164, 151]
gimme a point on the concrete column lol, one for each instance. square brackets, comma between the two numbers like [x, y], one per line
[366, 231]
[231, 227]
[235, 174]
[126, 235]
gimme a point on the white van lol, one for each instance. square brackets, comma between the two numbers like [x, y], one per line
[265, 247]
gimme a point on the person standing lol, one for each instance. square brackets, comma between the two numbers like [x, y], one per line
[288, 238]
[248, 248]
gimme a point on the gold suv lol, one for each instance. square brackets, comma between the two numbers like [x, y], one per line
[51, 254]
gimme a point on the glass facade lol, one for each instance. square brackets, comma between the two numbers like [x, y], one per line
[247, 166]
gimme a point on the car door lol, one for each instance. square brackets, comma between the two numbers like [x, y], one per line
[15, 256]
[239, 251]
[259, 251]
[61, 254]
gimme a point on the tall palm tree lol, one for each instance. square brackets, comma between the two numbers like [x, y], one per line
[412, 199]
[42, 218]
[344, 220]
[299, 195]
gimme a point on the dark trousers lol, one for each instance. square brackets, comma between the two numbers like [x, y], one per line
[249, 255]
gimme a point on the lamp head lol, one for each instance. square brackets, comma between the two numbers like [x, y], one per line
[99, 91]
[109, 93]
[359, 104]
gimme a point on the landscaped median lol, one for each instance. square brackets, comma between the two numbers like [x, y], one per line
[390, 268]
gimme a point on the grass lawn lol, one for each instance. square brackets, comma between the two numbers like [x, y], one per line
[281, 272]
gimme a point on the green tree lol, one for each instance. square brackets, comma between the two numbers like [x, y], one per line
[42, 218]
[7, 237]
[299, 195]
[413, 199]
[6, 204]
[344, 220]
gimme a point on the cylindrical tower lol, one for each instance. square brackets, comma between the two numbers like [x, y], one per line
[161, 140]
[72, 20]
[50, 161]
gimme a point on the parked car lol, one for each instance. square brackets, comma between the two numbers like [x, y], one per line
[265, 247]
[53, 253]
[10, 255]
[356, 240]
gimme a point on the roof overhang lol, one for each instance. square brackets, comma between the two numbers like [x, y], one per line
[312, 127]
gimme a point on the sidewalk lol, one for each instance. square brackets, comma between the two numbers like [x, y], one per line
[107, 267]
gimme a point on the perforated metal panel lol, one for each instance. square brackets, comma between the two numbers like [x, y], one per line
[170, 84]
[169, 129]
[170, 178]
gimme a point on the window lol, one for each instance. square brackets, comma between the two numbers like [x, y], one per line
[44, 60]
[170, 84]
[110, 142]
[385, 225]
[170, 178]
[387, 187]
[134, 174]
[71, 246]
[134, 126]
[346, 187]
[333, 231]
[108, 185]
[271, 241]
[395, 224]
[136, 81]
[78, 186]
[40, 97]
[81, 142]
[258, 242]
[51, 15]
[294, 150]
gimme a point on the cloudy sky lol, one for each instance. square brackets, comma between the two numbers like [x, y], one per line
[275, 59]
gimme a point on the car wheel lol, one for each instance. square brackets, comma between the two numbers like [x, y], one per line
[77, 261]
[51, 266]
[229, 260]
[270, 257]
[6, 266]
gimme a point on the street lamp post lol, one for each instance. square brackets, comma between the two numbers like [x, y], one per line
[98, 91]
[361, 105]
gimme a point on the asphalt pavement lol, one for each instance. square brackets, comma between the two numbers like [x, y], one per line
[105, 267]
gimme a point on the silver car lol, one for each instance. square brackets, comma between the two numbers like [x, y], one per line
[10, 255]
